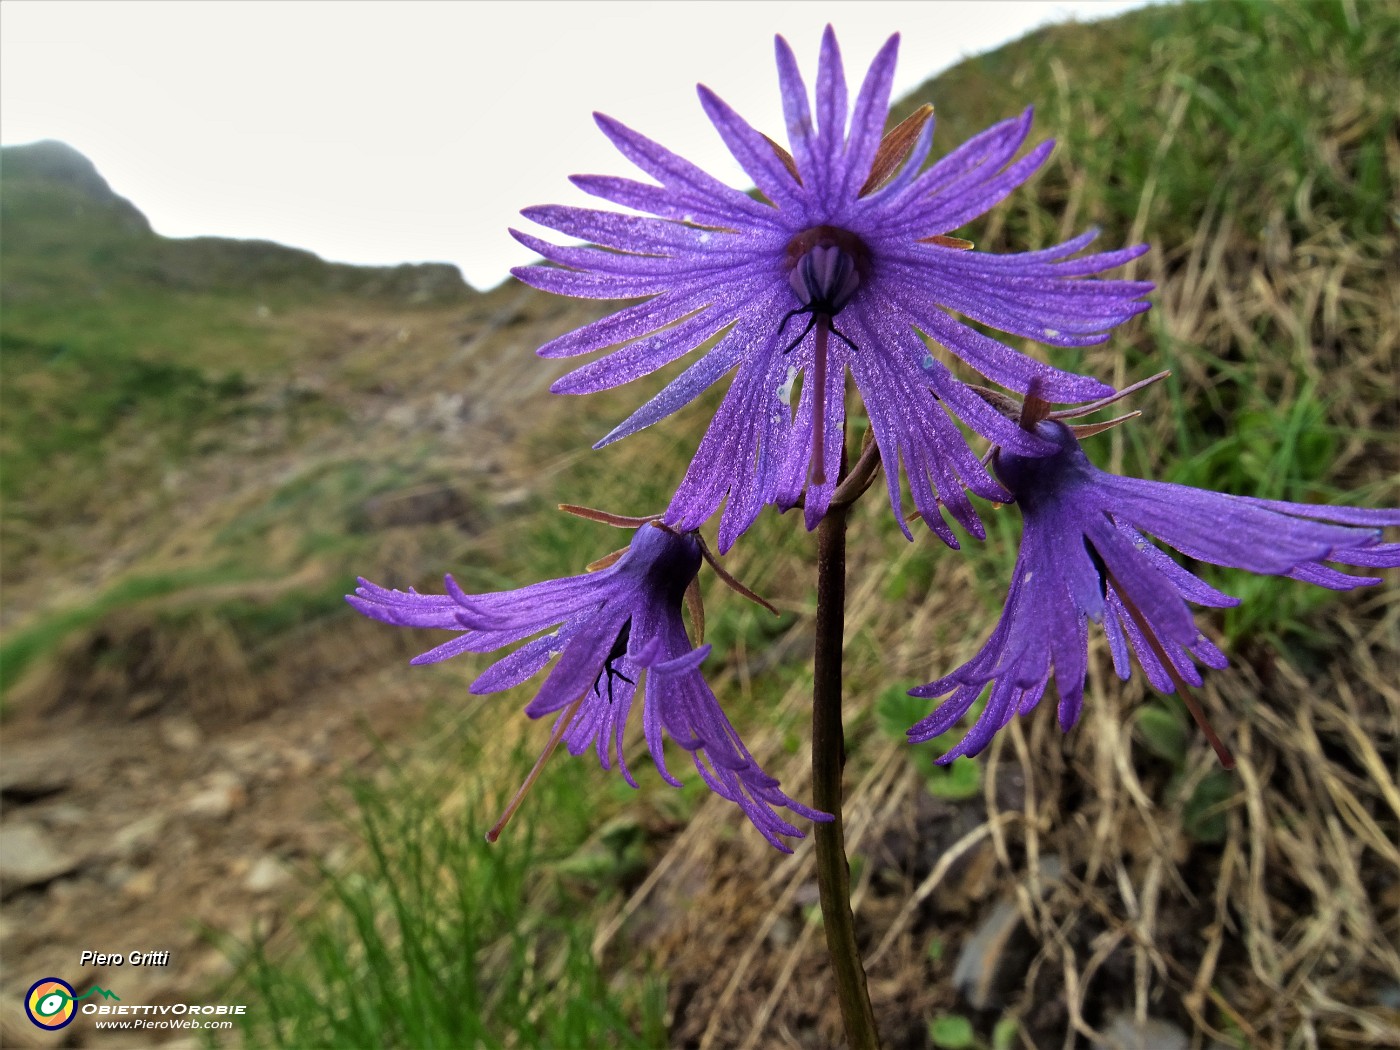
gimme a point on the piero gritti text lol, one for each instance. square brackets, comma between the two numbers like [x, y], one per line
[124, 959]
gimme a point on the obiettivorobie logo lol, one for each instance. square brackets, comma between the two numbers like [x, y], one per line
[49, 1003]
[52, 1003]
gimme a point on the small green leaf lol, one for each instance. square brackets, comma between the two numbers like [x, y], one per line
[1203, 816]
[896, 711]
[952, 1032]
[1162, 733]
[1004, 1033]
[962, 779]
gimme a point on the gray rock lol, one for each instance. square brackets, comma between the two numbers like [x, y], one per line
[224, 794]
[992, 958]
[181, 733]
[983, 963]
[138, 838]
[267, 874]
[1388, 996]
[32, 775]
[1124, 1033]
[28, 858]
[140, 885]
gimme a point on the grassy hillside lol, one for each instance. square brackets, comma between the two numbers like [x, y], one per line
[204, 442]
[180, 415]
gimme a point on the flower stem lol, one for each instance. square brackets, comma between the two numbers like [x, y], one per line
[828, 761]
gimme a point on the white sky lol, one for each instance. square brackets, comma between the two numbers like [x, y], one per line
[382, 133]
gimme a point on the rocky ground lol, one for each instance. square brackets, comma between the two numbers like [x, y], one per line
[155, 831]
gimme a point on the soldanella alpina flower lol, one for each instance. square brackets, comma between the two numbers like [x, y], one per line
[1086, 555]
[844, 270]
[618, 630]
[838, 267]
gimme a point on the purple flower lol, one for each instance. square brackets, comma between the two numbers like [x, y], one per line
[840, 265]
[1085, 556]
[613, 625]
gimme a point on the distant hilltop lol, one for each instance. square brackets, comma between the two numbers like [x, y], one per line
[60, 164]
[54, 201]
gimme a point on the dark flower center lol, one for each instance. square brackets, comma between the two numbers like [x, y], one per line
[825, 268]
[826, 265]
[824, 280]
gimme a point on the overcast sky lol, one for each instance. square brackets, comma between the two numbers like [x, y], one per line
[385, 133]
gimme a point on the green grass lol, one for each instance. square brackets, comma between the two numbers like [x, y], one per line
[439, 939]
[1265, 91]
[66, 400]
[23, 647]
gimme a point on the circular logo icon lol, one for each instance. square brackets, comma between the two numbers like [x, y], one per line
[49, 1003]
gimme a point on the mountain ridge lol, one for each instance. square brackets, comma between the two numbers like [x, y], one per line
[48, 187]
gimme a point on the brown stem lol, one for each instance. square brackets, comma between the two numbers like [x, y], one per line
[828, 761]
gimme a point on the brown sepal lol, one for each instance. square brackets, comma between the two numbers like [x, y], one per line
[1033, 410]
[786, 158]
[1104, 402]
[729, 580]
[620, 521]
[894, 149]
[1083, 430]
[696, 606]
[944, 241]
[1005, 404]
[605, 560]
[861, 476]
